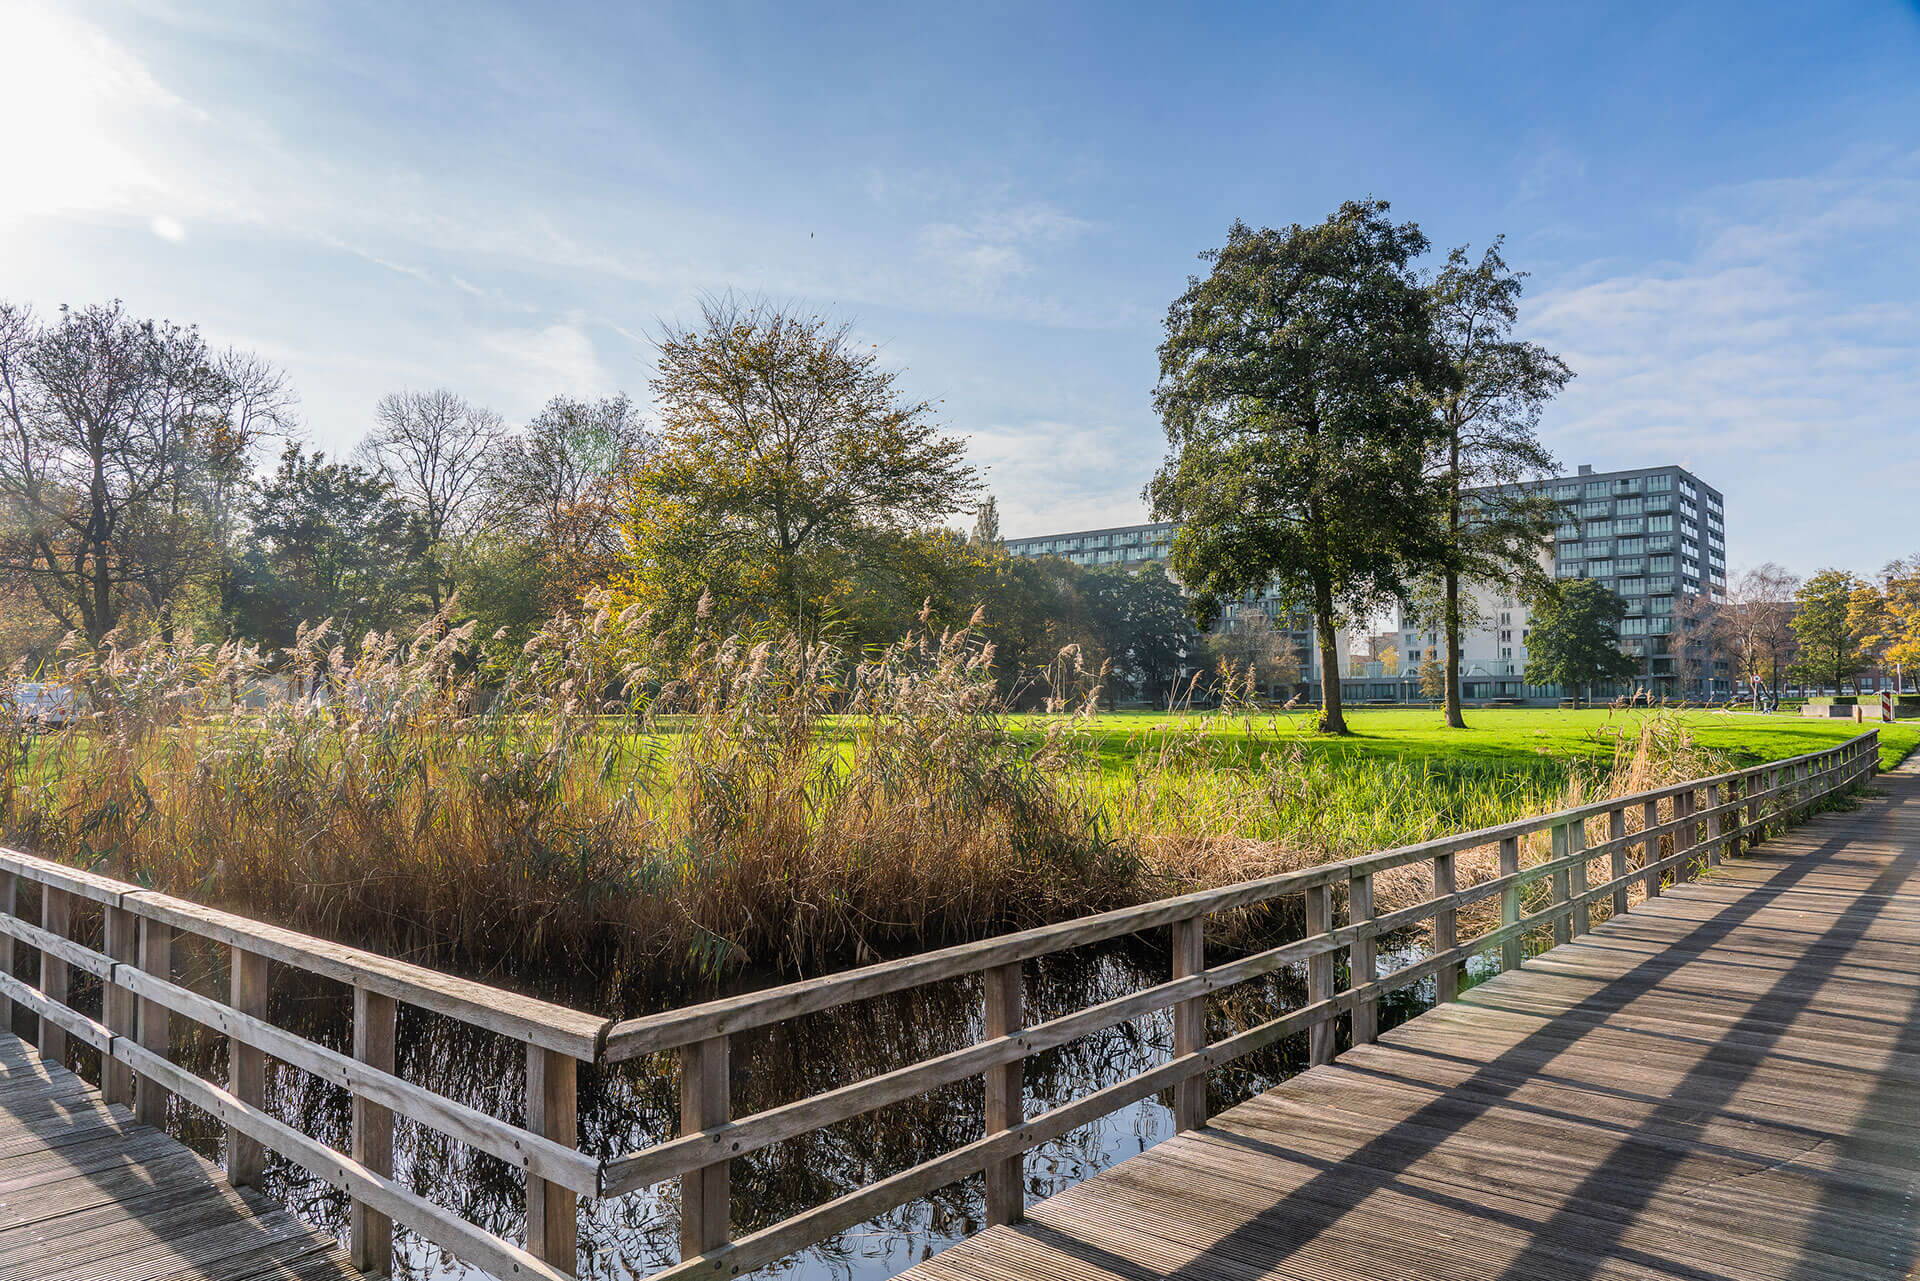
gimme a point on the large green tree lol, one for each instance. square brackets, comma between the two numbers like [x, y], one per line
[1296, 388]
[329, 541]
[1573, 640]
[1140, 622]
[1830, 650]
[784, 448]
[1489, 409]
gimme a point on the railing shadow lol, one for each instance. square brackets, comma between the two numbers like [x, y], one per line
[1587, 1234]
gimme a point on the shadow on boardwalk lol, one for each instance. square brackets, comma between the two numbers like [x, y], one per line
[1723, 1083]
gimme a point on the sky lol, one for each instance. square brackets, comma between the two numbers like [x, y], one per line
[1716, 203]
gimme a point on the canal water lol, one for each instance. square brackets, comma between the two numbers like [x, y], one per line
[635, 1105]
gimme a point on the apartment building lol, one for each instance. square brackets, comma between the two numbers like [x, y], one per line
[1654, 535]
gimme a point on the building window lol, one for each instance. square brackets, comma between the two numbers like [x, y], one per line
[1659, 484]
[1629, 507]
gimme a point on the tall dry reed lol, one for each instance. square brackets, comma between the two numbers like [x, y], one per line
[765, 805]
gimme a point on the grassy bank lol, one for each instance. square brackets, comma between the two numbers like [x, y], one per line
[759, 807]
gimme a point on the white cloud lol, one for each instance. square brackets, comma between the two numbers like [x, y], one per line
[559, 359]
[1056, 476]
[168, 228]
[995, 244]
[1789, 325]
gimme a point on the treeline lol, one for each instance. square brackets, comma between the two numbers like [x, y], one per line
[151, 484]
[1825, 632]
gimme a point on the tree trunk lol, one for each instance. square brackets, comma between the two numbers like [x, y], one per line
[1333, 717]
[1454, 719]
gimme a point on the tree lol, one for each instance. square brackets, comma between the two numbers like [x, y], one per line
[1900, 590]
[1489, 410]
[557, 488]
[121, 436]
[986, 522]
[783, 447]
[1870, 622]
[1433, 680]
[1753, 624]
[1249, 646]
[330, 541]
[1145, 634]
[1572, 641]
[1829, 651]
[1295, 388]
[434, 450]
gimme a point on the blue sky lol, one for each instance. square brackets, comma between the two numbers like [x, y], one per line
[1718, 206]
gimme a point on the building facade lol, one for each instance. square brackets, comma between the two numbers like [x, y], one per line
[1656, 536]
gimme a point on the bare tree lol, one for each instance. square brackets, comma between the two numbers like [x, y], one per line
[107, 421]
[1754, 624]
[435, 448]
[1251, 649]
[560, 485]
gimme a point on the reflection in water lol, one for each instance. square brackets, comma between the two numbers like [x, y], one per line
[634, 1105]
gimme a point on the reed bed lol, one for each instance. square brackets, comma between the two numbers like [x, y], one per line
[583, 815]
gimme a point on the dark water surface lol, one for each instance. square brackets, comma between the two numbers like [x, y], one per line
[634, 1105]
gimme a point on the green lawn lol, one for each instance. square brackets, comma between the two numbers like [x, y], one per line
[1497, 735]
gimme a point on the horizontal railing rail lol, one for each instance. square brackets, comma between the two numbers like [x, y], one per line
[141, 1001]
[1649, 840]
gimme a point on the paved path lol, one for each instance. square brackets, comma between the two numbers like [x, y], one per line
[87, 1195]
[1723, 1083]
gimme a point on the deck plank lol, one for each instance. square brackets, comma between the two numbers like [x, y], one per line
[1723, 1083]
[87, 1194]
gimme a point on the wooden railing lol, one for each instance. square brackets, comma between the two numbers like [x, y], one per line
[1649, 839]
[1672, 831]
[141, 1002]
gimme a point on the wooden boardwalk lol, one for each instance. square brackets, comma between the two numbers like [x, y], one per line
[1723, 1083]
[86, 1194]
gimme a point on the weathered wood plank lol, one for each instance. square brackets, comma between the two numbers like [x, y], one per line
[1722, 1081]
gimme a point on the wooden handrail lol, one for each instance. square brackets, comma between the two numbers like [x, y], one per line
[135, 1044]
[653, 1033]
[141, 997]
[1738, 806]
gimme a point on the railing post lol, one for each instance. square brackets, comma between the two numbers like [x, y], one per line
[1562, 846]
[1716, 826]
[121, 1010]
[1006, 1093]
[1514, 949]
[246, 1066]
[553, 1112]
[1320, 1037]
[9, 906]
[1757, 798]
[1446, 928]
[1190, 1022]
[369, 1232]
[156, 1021]
[1580, 919]
[1617, 837]
[1362, 967]
[1688, 840]
[706, 1100]
[56, 976]
[1650, 846]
